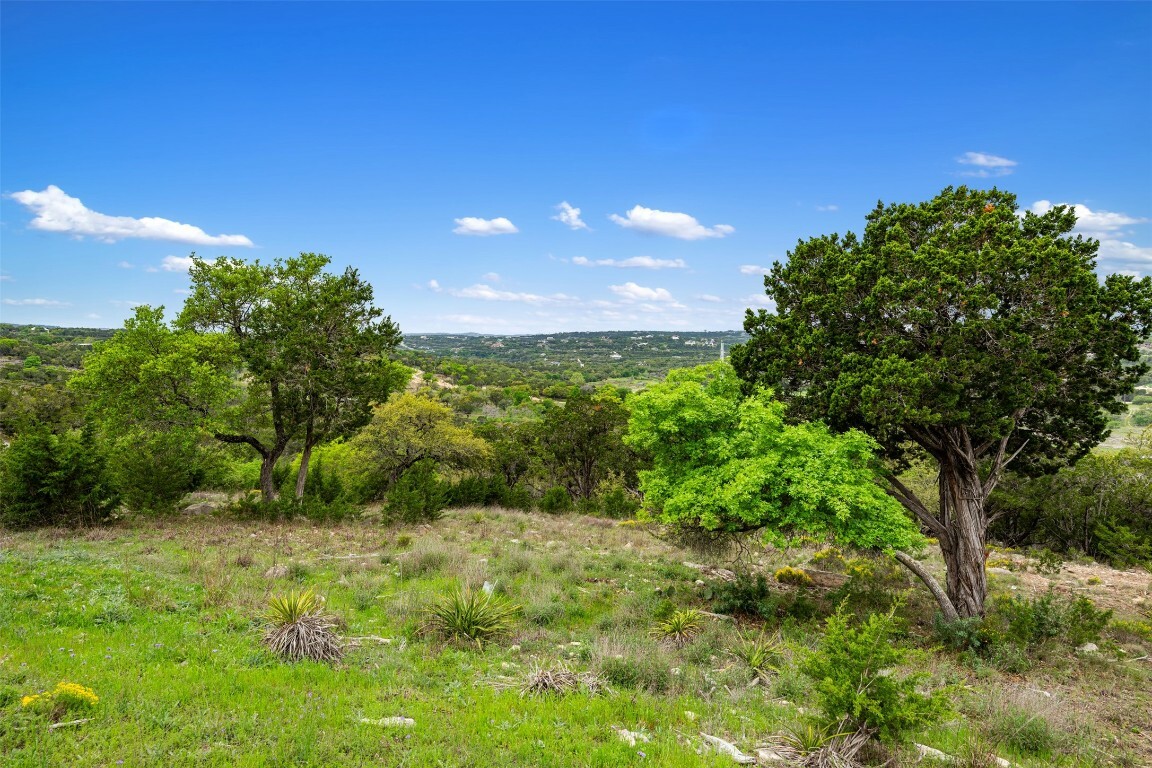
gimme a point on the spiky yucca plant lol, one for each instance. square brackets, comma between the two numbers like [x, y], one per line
[469, 615]
[760, 652]
[679, 628]
[296, 627]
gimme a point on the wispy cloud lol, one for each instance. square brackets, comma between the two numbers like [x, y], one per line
[57, 211]
[827, 208]
[985, 165]
[570, 216]
[490, 277]
[632, 292]
[434, 285]
[176, 263]
[124, 265]
[475, 227]
[669, 224]
[640, 262]
[1109, 227]
[488, 293]
[1090, 222]
[754, 269]
[710, 298]
[36, 303]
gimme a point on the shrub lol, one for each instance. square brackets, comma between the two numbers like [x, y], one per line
[748, 596]
[680, 627]
[298, 628]
[556, 499]
[1024, 732]
[475, 616]
[1030, 622]
[856, 689]
[793, 576]
[419, 495]
[48, 479]
[647, 673]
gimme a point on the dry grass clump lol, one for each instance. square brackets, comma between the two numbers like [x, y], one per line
[298, 628]
[812, 747]
[560, 680]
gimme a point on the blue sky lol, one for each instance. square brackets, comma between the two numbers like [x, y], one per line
[432, 145]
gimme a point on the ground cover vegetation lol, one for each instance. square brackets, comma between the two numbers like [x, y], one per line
[581, 563]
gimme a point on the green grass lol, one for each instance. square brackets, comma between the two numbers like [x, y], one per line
[163, 621]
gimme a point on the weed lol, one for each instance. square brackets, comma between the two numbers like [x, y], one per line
[476, 616]
[64, 698]
[759, 652]
[679, 628]
[793, 576]
[1025, 733]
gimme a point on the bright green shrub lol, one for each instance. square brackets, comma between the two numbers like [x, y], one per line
[857, 687]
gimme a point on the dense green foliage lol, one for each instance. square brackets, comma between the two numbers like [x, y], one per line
[1101, 507]
[724, 462]
[959, 329]
[858, 685]
[54, 479]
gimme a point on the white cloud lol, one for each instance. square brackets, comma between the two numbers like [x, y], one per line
[570, 216]
[632, 292]
[679, 225]
[57, 211]
[470, 225]
[754, 269]
[986, 165]
[36, 303]
[434, 285]
[641, 262]
[759, 300]
[124, 265]
[488, 293]
[5, 278]
[126, 303]
[827, 208]
[490, 277]
[1088, 221]
[176, 263]
[1124, 252]
[710, 297]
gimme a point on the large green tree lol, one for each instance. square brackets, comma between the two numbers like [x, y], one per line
[958, 328]
[723, 462]
[261, 355]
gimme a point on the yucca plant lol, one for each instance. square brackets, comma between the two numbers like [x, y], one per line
[296, 627]
[815, 747]
[760, 652]
[559, 680]
[679, 628]
[474, 616]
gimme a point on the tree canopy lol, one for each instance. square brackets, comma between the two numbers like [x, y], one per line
[960, 328]
[261, 355]
[723, 462]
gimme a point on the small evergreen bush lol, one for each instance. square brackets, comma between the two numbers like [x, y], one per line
[857, 687]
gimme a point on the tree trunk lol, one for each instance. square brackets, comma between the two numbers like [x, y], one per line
[963, 543]
[267, 484]
[302, 475]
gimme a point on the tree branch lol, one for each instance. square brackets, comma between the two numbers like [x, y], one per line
[908, 498]
[242, 439]
[946, 606]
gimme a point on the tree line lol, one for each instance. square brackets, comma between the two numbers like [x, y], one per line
[955, 333]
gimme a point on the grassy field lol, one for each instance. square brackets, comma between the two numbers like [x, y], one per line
[161, 620]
